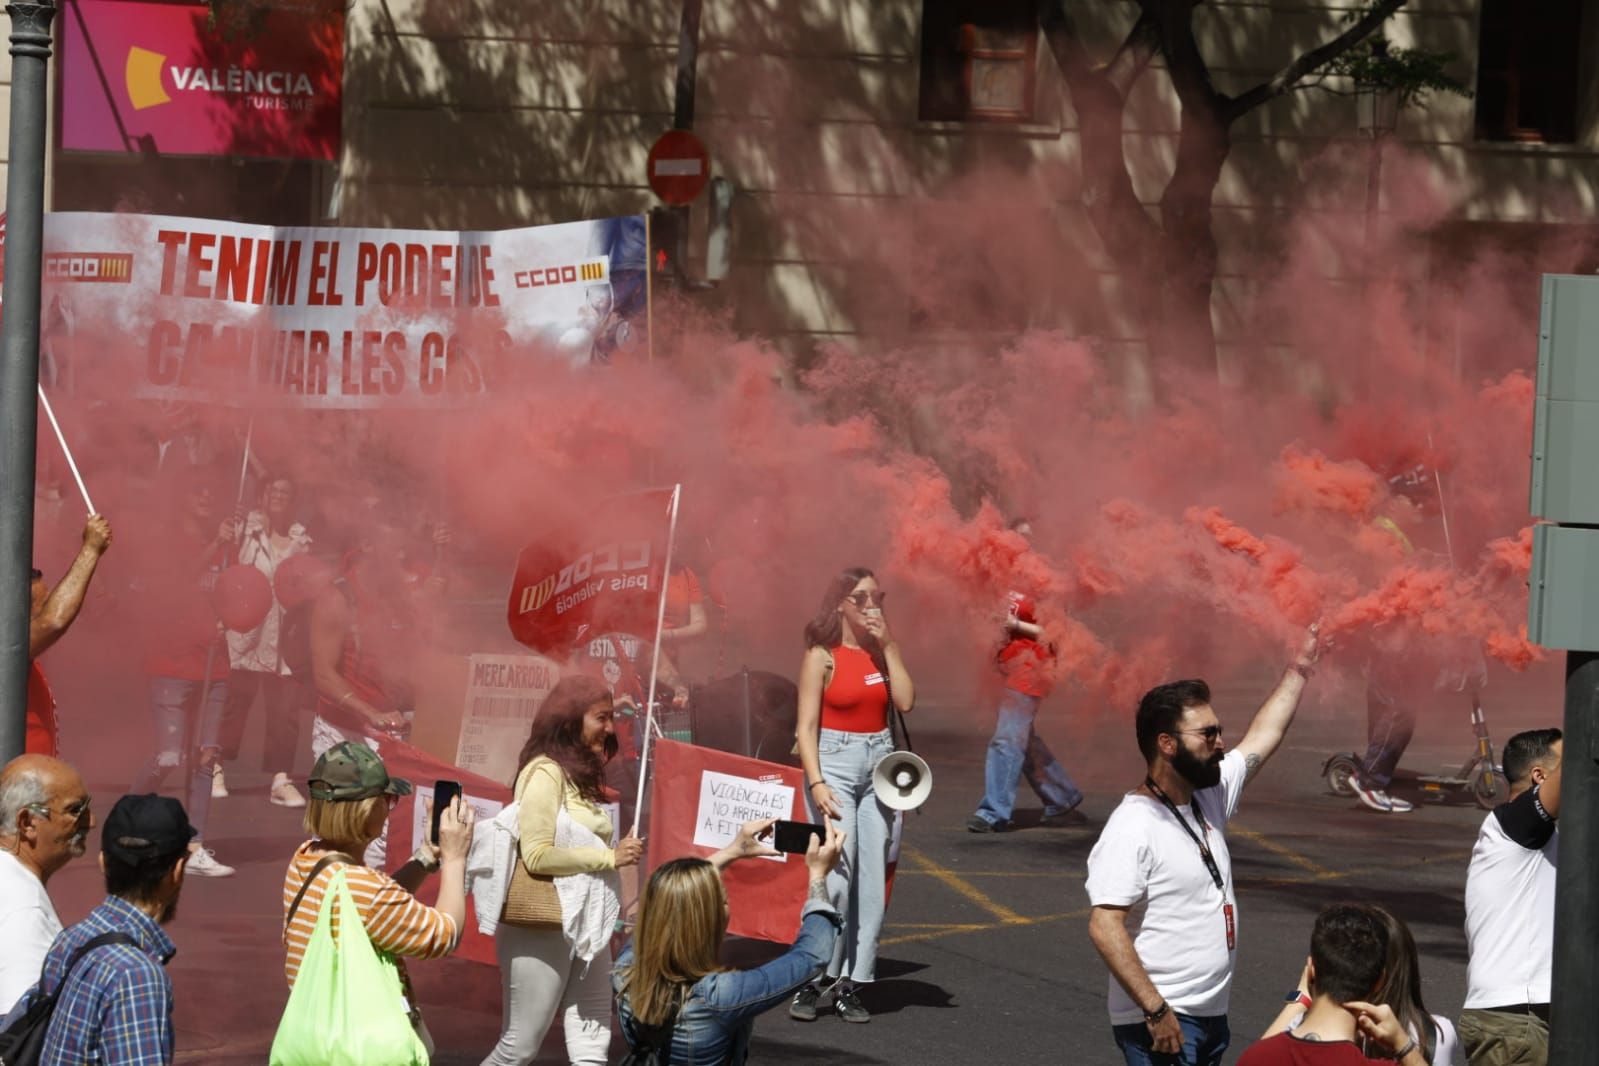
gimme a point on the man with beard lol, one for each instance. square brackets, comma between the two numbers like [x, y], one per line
[44, 821]
[1160, 878]
[116, 1004]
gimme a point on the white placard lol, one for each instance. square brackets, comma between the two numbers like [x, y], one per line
[727, 802]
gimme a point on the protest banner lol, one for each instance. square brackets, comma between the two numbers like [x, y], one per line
[324, 317]
[698, 799]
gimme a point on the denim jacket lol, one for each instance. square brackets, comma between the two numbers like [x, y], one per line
[713, 1027]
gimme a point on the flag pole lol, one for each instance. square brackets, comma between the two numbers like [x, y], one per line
[655, 658]
[66, 451]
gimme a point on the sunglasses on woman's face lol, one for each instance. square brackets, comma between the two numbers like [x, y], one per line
[864, 599]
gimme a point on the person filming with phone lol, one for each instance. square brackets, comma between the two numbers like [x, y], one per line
[351, 797]
[672, 995]
[852, 672]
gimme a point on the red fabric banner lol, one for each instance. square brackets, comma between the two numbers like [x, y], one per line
[407, 823]
[604, 576]
[698, 799]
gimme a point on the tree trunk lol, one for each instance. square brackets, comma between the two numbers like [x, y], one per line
[1184, 335]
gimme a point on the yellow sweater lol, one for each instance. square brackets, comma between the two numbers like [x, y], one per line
[539, 789]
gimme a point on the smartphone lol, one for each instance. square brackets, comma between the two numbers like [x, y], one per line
[444, 793]
[795, 837]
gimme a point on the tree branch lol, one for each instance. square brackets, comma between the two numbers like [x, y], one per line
[1288, 77]
[1134, 55]
[1189, 73]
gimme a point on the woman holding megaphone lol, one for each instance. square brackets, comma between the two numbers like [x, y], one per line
[852, 671]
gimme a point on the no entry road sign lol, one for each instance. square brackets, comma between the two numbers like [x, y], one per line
[678, 167]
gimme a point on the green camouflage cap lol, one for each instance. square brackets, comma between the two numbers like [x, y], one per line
[351, 771]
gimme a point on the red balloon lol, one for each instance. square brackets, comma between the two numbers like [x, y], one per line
[300, 578]
[242, 598]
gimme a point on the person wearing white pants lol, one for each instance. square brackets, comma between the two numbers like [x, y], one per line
[541, 980]
[562, 834]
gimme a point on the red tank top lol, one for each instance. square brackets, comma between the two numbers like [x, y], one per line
[856, 697]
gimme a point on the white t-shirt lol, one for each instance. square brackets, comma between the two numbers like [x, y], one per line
[1144, 861]
[1510, 906]
[28, 926]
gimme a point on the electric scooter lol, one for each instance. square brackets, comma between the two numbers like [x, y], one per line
[1481, 776]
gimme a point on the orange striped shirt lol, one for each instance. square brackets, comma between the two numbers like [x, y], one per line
[395, 920]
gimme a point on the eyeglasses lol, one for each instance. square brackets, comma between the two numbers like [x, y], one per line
[75, 811]
[1211, 733]
[864, 599]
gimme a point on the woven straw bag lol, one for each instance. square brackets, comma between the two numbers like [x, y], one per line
[531, 900]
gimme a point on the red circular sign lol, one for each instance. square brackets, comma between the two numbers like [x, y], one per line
[678, 166]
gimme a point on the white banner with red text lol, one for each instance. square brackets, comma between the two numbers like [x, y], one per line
[327, 317]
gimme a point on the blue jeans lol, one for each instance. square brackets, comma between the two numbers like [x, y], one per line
[1017, 750]
[172, 701]
[858, 884]
[1390, 723]
[1204, 1041]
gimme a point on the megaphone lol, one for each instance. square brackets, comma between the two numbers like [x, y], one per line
[902, 781]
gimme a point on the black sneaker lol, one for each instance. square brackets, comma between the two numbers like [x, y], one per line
[803, 1008]
[847, 1002]
[978, 824]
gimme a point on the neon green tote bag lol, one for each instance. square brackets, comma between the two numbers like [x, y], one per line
[346, 1007]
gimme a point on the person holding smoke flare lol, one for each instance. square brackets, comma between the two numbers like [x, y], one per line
[852, 671]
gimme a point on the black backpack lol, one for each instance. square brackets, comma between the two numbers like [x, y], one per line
[653, 1046]
[23, 1043]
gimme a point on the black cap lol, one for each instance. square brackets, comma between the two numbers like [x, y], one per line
[147, 828]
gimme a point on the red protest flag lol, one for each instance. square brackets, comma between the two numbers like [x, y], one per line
[604, 575]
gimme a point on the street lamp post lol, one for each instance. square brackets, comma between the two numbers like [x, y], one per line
[19, 356]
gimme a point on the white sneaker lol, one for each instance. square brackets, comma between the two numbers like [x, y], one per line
[284, 794]
[1379, 800]
[203, 863]
[219, 787]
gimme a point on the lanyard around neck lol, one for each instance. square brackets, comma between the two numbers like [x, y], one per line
[1202, 845]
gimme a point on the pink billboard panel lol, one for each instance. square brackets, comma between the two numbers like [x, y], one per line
[138, 77]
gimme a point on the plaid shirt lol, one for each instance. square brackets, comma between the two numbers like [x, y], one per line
[117, 1007]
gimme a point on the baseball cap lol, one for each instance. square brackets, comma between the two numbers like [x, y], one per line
[351, 771]
[146, 828]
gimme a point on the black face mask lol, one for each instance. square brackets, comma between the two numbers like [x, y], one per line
[1201, 773]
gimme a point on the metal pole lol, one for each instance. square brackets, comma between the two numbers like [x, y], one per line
[19, 357]
[1574, 1024]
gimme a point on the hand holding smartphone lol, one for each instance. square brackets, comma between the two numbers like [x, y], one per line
[444, 794]
[795, 837]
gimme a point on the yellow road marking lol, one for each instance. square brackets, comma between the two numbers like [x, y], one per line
[935, 934]
[1279, 849]
[955, 881]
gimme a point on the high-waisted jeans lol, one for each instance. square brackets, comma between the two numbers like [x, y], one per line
[858, 883]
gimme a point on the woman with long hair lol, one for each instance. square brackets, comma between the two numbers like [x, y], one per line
[1400, 989]
[672, 993]
[351, 797]
[851, 673]
[563, 835]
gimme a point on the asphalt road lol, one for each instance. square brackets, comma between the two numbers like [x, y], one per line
[986, 956]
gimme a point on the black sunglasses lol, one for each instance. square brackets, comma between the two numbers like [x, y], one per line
[865, 599]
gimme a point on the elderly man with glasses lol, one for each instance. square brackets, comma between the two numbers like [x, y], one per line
[44, 808]
[1160, 877]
